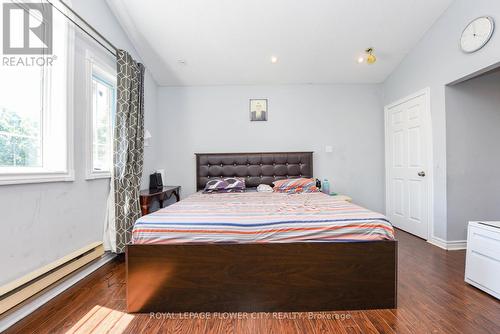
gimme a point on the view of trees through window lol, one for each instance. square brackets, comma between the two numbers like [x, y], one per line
[19, 140]
[21, 105]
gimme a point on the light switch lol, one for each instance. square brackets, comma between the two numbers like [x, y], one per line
[328, 149]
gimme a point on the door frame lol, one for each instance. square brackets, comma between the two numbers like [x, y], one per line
[426, 92]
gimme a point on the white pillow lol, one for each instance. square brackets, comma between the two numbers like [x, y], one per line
[264, 188]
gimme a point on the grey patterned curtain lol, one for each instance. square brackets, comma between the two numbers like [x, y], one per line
[128, 146]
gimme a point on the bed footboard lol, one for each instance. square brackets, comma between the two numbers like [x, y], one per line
[272, 277]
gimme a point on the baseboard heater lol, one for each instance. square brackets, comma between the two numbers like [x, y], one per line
[29, 285]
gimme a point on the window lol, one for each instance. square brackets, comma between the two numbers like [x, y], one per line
[36, 112]
[21, 118]
[101, 111]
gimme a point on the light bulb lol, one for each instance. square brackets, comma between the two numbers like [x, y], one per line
[361, 59]
[274, 59]
[371, 59]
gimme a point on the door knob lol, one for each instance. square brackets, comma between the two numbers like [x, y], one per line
[422, 173]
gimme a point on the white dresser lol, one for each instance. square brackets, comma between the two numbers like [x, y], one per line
[482, 267]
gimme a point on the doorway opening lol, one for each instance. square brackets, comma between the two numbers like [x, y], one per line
[472, 151]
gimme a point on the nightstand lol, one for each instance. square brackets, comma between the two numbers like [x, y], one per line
[148, 196]
[342, 197]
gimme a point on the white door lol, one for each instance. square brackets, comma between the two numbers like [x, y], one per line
[408, 160]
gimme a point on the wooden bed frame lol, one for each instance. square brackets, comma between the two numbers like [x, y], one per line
[274, 277]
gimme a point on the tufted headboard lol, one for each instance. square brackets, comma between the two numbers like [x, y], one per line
[256, 168]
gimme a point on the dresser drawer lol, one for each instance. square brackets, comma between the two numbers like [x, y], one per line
[484, 271]
[484, 242]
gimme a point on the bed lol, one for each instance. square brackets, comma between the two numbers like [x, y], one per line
[260, 252]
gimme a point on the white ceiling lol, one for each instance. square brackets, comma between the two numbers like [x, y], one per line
[230, 42]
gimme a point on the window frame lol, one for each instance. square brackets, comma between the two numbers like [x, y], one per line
[96, 67]
[27, 175]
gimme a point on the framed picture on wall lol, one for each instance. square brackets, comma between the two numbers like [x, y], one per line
[258, 109]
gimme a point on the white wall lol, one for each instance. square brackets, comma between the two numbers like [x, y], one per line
[301, 118]
[44, 222]
[435, 61]
[473, 152]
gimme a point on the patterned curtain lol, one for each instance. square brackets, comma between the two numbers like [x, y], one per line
[128, 146]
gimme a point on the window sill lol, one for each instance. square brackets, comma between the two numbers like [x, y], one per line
[97, 176]
[26, 178]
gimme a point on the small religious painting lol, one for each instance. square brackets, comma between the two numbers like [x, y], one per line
[258, 109]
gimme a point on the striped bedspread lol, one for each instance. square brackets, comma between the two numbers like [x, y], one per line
[261, 218]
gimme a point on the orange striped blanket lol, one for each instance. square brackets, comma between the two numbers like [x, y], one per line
[254, 217]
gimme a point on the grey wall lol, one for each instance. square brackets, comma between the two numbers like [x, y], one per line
[301, 117]
[46, 221]
[473, 152]
[435, 61]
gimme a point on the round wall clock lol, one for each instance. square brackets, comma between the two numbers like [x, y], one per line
[477, 34]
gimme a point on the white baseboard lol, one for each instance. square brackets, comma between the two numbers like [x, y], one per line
[448, 245]
[17, 314]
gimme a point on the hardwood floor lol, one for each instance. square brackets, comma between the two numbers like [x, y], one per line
[432, 298]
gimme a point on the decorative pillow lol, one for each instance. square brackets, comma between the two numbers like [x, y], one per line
[235, 183]
[294, 186]
[225, 185]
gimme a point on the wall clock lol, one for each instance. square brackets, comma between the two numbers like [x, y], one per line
[477, 33]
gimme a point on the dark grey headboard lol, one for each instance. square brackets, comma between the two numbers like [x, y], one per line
[256, 168]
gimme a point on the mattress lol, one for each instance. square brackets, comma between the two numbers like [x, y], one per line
[253, 217]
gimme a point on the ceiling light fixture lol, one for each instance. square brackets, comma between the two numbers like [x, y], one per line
[274, 59]
[370, 57]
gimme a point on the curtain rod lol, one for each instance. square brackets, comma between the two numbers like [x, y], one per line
[109, 47]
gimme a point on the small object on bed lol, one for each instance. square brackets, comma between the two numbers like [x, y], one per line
[341, 197]
[295, 186]
[264, 188]
[326, 187]
[225, 185]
